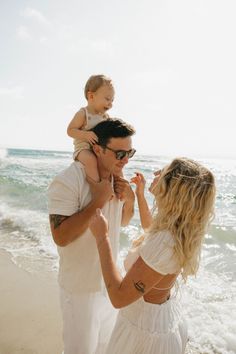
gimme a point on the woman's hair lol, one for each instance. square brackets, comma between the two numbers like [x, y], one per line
[95, 82]
[184, 197]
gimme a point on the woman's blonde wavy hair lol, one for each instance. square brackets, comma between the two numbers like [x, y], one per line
[184, 201]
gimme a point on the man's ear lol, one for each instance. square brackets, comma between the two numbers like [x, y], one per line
[96, 149]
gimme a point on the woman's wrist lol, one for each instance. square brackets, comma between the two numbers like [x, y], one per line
[101, 240]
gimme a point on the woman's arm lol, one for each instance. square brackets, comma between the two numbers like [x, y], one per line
[138, 281]
[144, 212]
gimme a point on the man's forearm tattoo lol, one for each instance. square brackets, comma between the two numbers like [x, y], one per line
[139, 286]
[57, 220]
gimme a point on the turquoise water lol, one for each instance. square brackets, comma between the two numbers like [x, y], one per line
[209, 299]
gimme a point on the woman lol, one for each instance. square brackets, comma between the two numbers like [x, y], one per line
[150, 319]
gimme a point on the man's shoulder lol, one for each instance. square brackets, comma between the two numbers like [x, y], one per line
[75, 169]
[73, 175]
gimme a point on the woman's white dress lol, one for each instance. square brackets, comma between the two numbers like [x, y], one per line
[146, 328]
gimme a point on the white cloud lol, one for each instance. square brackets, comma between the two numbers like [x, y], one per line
[103, 46]
[13, 92]
[38, 28]
[97, 47]
[163, 75]
[43, 40]
[23, 33]
[35, 15]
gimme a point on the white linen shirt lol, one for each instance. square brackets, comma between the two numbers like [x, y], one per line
[79, 265]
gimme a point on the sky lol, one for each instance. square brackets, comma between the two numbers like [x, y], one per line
[172, 64]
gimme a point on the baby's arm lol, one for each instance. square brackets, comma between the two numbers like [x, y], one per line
[144, 212]
[74, 129]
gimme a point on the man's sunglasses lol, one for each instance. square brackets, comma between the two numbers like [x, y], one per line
[120, 154]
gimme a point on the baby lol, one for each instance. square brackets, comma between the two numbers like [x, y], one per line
[99, 93]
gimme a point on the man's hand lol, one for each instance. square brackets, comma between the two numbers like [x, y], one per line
[101, 191]
[123, 189]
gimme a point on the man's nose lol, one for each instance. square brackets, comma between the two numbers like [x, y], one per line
[125, 159]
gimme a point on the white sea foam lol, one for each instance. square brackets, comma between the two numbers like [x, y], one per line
[25, 233]
[231, 247]
[210, 308]
[3, 153]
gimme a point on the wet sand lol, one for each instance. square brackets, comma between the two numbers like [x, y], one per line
[30, 318]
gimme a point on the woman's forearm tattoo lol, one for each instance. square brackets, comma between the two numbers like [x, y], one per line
[57, 220]
[139, 286]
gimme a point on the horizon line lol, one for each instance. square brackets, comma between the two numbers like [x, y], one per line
[140, 154]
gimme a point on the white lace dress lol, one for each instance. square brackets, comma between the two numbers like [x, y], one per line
[146, 328]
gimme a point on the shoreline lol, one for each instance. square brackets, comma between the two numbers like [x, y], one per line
[30, 317]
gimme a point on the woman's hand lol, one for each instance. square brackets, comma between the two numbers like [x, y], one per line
[99, 226]
[140, 183]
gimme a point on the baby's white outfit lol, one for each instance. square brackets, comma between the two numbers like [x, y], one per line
[143, 327]
[91, 121]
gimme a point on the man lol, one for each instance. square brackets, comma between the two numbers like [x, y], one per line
[86, 311]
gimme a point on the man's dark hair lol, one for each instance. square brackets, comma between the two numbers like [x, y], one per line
[112, 128]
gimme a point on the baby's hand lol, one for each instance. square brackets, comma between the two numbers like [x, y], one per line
[91, 137]
[140, 182]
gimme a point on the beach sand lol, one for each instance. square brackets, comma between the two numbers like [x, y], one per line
[30, 318]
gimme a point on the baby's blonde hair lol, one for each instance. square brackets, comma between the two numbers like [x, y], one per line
[184, 197]
[95, 82]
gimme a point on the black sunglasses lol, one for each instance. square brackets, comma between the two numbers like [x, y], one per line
[120, 154]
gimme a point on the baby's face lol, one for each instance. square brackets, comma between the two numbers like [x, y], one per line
[102, 99]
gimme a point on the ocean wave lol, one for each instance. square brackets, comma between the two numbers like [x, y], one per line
[26, 232]
[226, 197]
[221, 234]
[3, 153]
[23, 195]
[209, 306]
[26, 153]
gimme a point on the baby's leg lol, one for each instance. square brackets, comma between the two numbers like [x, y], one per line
[89, 160]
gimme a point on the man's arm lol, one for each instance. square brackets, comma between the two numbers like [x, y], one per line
[66, 229]
[125, 193]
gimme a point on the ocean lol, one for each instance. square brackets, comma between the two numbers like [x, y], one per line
[209, 299]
